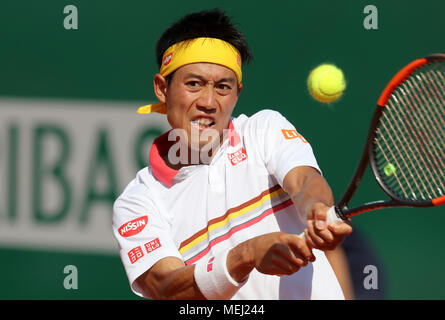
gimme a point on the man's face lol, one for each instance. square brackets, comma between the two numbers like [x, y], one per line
[200, 100]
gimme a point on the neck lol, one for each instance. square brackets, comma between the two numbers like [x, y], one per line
[177, 154]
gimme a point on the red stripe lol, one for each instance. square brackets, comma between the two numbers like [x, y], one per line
[239, 228]
[222, 218]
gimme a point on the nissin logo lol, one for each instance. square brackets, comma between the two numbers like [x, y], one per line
[133, 227]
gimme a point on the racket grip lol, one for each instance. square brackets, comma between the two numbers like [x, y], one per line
[332, 217]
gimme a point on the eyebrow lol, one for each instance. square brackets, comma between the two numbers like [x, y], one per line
[194, 75]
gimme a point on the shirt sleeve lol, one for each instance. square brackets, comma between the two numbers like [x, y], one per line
[142, 233]
[280, 145]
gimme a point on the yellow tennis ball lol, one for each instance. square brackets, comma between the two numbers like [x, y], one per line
[389, 169]
[326, 83]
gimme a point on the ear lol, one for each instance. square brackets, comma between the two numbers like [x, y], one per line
[160, 87]
[240, 88]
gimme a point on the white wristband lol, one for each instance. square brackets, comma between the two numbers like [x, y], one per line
[213, 278]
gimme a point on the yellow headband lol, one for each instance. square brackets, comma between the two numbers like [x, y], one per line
[210, 50]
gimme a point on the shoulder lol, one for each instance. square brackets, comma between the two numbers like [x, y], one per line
[262, 124]
[262, 119]
[263, 114]
[267, 114]
[137, 193]
[137, 202]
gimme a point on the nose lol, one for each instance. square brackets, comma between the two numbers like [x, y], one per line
[207, 100]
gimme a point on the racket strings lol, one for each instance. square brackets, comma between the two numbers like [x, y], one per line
[421, 150]
[433, 122]
[390, 160]
[416, 164]
[434, 92]
[437, 130]
[391, 128]
[424, 133]
[438, 94]
[403, 161]
[425, 136]
[410, 140]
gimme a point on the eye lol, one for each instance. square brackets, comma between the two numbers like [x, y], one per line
[224, 87]
[193, 83]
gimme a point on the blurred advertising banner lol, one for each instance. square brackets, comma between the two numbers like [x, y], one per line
[62, 165]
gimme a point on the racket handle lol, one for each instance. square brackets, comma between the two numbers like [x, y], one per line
[332, 217]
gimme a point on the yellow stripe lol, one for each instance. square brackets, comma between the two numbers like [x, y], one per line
[229, 217]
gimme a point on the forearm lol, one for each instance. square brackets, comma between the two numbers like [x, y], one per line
[275, 253]
[315, 190]
[307, 188]
[170, 279]
[181, 285]
[312, 198]
[240, 261]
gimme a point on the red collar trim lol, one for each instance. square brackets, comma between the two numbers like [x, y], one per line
[233, 135]
[164, 173]
[160, 170]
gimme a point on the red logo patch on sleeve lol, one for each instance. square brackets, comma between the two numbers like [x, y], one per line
[135, 254]
[237, 157]
[152, 245]
[133, 227]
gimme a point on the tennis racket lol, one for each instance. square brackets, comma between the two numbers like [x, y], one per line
[405, 146]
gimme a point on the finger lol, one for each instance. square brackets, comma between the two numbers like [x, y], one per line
[308, 239]
[320, 218]
[320, 238]
[300, 247]
[325, 234]
[321, 225]
[316, 241]
[292, 255]
[286, 265]
[340, 229]
[296, 261]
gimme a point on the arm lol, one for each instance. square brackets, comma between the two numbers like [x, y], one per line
[169, 278]
[339, 263]
[312, 197]
[275, 253]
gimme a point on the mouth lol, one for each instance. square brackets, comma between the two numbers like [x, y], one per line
[203, 123]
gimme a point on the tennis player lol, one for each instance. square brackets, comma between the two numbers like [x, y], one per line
[217, 212]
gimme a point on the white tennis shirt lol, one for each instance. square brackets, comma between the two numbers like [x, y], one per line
[200, 210]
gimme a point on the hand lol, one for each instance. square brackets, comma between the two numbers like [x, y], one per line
[323, 236]
[279, 253]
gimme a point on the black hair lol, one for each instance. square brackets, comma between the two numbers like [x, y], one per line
[212, 23]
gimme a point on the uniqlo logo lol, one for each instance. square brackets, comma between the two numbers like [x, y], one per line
[152, 245]
[210, 264]
[237, 157]
[292, 134]
[135, 254]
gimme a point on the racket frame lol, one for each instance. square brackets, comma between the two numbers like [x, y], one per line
[368, 155]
